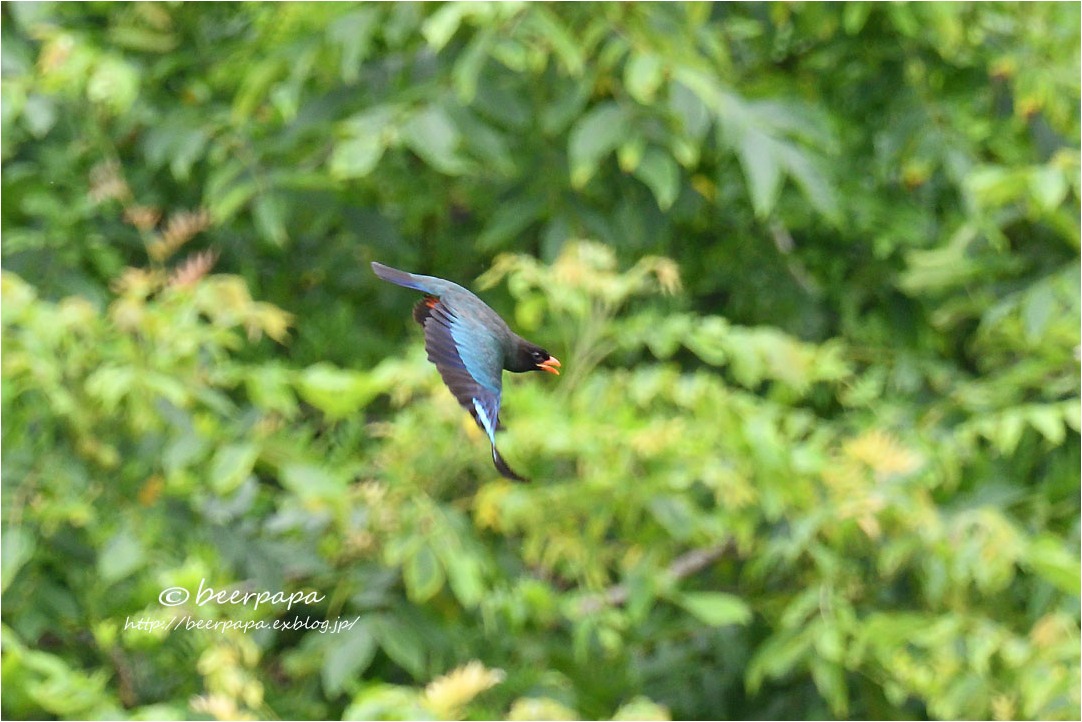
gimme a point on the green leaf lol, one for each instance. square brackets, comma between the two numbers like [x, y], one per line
[381, 701]
[661, 175]
[467, 69]
[143, 40]
[565, 46]
[641, 708]
[553, 237]
[336, 392]
[353, 32]
[254, 87]
[121, 556]
[593, 137]
[829, 643]
[775, 658]
[373, 121]
[526, 709]
[115, 84]
[716, 608]
[567, 105]
[187, 149]
[346, 657]
[630, 153]
[762, 170]
[16, 549]
[110, 384]
[268, 211]
[356, 157]
[432, 135]
[1037, 308]
[675, 514]
[441, 26]
[813, 184]
[510, 219]
[1049, 558]
[312, 482]
[422, 574]
[1048, 420]
[231, 465]
[225, 205]
[829, 678]
[365, 140]
[13, 99]
[1006, 431]
[481, 141]
[39, 114]
[166, 387]
[1048, 187]
[904, 20]
[692, 113]
[270, 387]
[854, 16]
[464, 575]
[1072, 413]
[402, 643]
[642, 77]
[994, 186]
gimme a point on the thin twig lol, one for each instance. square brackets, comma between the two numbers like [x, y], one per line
[783, 241]
[683, 566]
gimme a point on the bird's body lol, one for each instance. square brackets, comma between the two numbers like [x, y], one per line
[471, 346]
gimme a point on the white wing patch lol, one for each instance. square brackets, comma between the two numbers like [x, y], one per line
[486, 422]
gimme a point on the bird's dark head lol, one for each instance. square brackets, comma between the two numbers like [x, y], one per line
[529, 357]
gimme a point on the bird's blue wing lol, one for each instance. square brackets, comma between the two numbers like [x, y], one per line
[425, 284]
[478, 390]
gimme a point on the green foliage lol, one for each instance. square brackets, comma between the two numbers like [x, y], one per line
[813, 272]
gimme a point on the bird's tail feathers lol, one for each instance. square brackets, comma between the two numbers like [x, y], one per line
[503, 468]
[399, 278]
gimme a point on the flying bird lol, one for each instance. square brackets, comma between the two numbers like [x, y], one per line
[471, 346]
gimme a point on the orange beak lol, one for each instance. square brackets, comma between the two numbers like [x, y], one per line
[551, 364]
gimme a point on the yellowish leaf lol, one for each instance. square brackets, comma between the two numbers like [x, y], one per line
[448, 695]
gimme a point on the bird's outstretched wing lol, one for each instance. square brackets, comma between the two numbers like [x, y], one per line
[424, 284]
[470, 370]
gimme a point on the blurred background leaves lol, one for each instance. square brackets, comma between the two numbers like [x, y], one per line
[812, 269]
